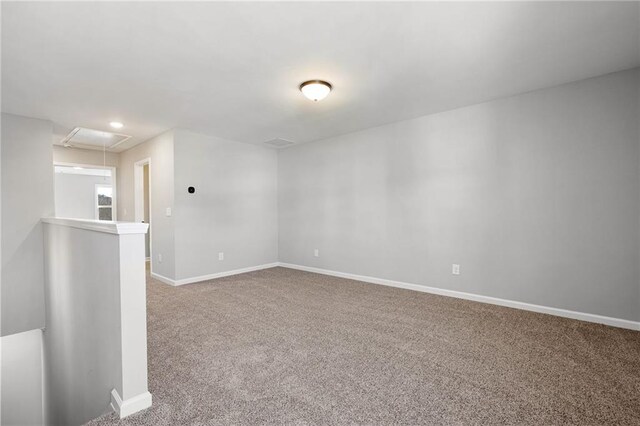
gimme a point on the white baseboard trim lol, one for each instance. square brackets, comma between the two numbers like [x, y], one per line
[208, 277]
[582, 316]
[131, 405]
[163, 279]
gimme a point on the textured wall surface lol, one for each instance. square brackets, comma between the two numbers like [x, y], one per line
[234, 209]
[535, 196]
[27, 195]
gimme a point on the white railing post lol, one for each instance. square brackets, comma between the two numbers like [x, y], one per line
[95, 341]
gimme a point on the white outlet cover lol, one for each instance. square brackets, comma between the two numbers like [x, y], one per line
[168, 211]
[221, 256]
[455, 269]
[316, 253]
[159, 258]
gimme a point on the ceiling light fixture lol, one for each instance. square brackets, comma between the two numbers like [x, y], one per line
[116, 125]
[316, 90]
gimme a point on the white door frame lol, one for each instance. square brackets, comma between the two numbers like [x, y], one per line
[138, 194]
[114, 181]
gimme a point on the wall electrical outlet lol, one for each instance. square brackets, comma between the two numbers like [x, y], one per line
[455, 269]
[159, 258]
[316, 253]
[221, 256]
[168, 211]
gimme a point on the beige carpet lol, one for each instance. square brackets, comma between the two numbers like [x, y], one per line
[287, 347]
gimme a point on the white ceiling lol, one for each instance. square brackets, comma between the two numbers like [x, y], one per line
[233, 69]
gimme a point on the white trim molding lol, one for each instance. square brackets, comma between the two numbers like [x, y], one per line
[131, 405]
[139, 200]
[565, 313]
[108, 227]
[138, 188]
[163, 279]
[208, 277]
[582, 316]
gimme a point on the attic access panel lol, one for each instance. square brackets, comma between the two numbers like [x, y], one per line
[89, 138]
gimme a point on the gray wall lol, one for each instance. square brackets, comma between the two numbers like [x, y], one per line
[85, 156]
[161, 176]
[234, 208]
[22, 378]
[75, 195]
[535, 196]
[27, 195]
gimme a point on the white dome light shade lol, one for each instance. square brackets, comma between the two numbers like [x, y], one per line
[116, 125]
[316, 90]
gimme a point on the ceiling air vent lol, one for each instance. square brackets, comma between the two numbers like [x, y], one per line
[93, 139]
[279, 143]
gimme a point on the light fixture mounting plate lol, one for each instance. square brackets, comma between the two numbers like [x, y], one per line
[324, 83]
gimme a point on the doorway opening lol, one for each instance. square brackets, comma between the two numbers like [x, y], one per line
[142, 205]
[83, 191]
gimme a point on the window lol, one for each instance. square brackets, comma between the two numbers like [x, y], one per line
[104, 202]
